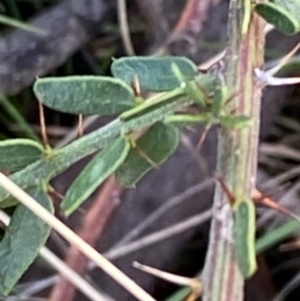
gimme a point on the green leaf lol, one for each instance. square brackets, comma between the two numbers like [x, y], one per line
[233, 122]
[21, 25]
[153, 73]
[280, 17]
[244, 236]
[26, 234]
[18, 153]
[86, 95]
[99, 169]
[275, 236]
[158, 144]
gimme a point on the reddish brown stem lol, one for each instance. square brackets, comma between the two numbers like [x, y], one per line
[91, 230]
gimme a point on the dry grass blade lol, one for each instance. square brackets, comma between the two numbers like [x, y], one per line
[64, 270]
[74, 239]
[124, 28]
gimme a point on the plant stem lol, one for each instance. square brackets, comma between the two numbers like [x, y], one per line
[48, 168]
[237, 156]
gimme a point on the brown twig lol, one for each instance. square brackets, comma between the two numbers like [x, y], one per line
[91, 230]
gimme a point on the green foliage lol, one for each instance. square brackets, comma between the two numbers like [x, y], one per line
[107, 96]
[183, 85]
[158, 144]
[18, 153]
[283, 14]
[153, 73]
[82, 95]
[25, 235]
[86, 95]
[244, 236]
[99, 169]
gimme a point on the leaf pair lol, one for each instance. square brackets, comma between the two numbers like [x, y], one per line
[158, 143]
[103, 95]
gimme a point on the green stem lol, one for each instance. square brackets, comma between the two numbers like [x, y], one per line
[60, 160]
[237, 156]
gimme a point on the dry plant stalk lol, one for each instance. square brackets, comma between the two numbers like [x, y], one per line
[73, 239]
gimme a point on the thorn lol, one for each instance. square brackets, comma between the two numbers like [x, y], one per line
[267, 77]
[202, 138]
[284, 61]
[56, 198]
[43, 125]
[229, 194]
[258, 197]
[80, 125]
[55, 193]
[136, 86]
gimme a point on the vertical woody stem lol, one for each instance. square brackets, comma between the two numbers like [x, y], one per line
[237, 155]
